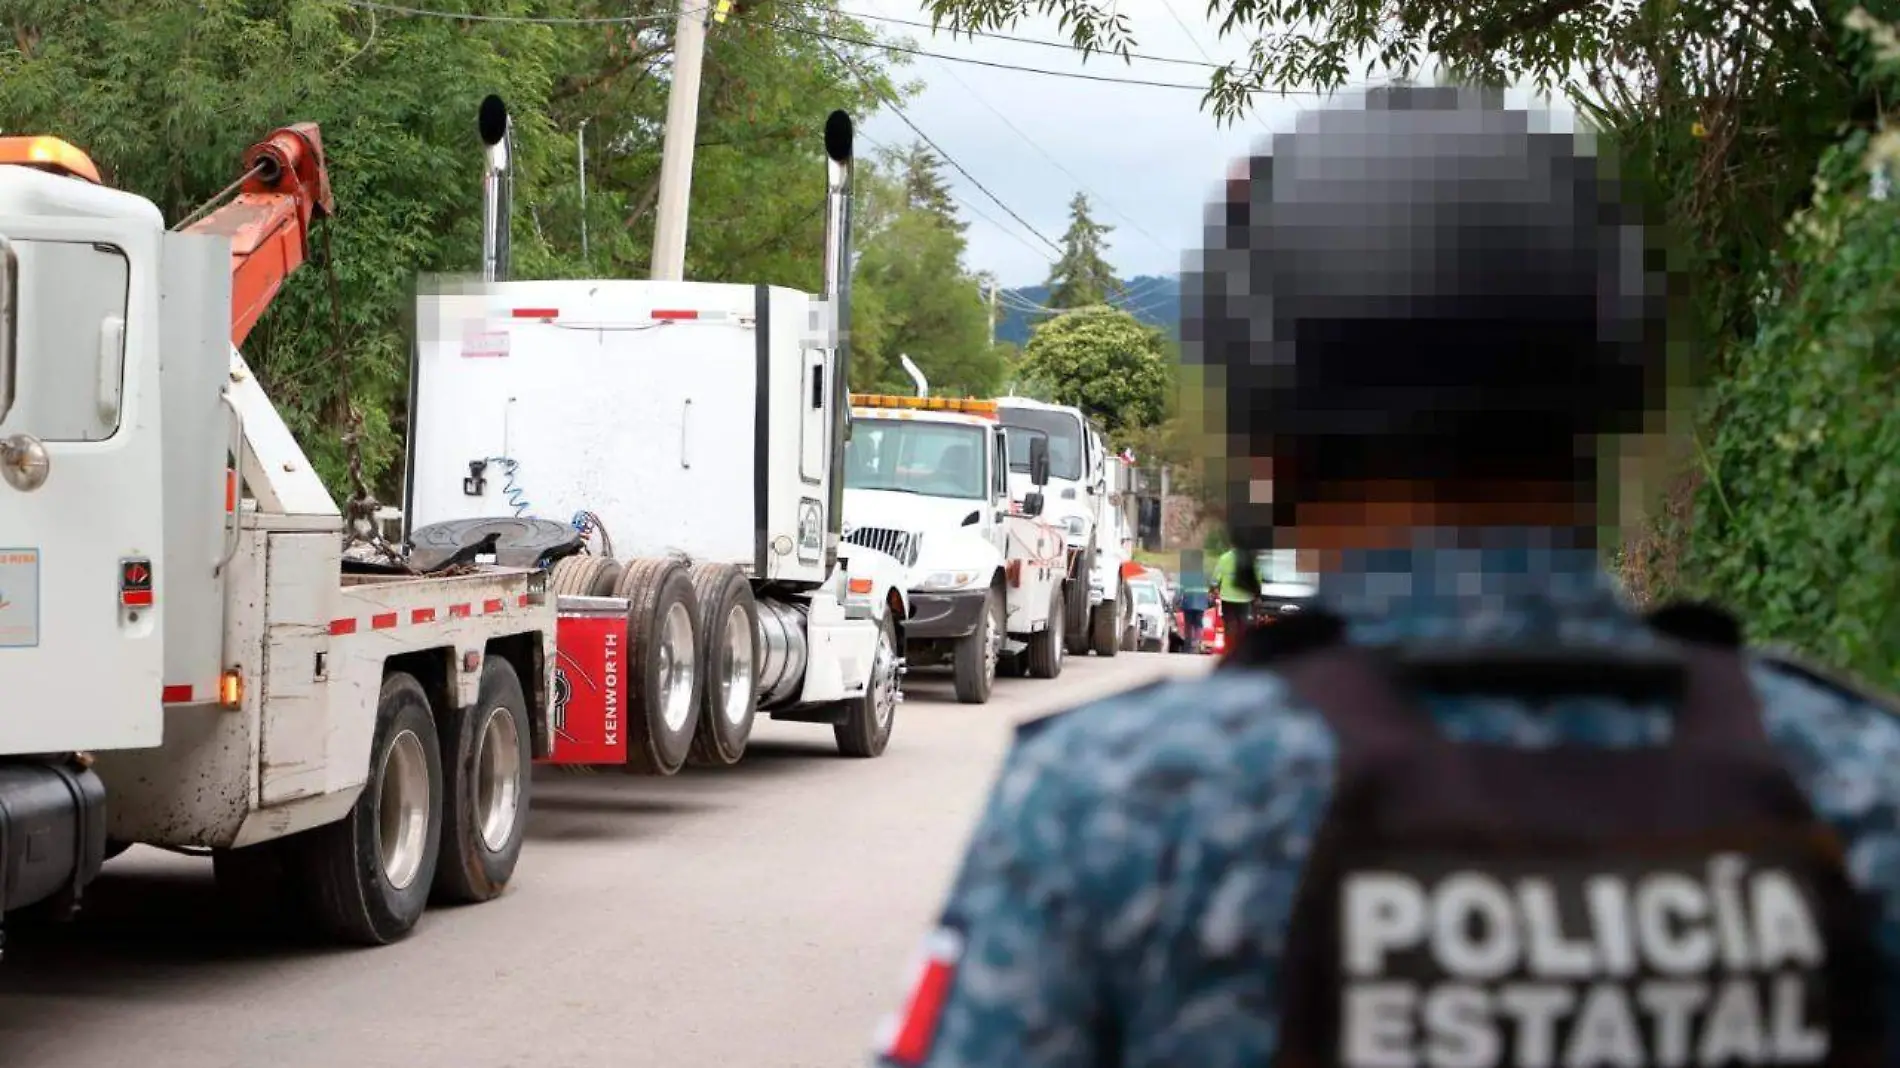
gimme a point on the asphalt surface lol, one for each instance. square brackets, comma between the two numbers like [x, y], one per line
[761, 916]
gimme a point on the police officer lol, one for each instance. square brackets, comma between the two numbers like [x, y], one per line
[1474, 809]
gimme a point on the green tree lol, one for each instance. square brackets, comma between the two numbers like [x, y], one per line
[166, 94]
[925, 189]
[914, 296]
[1081, 277]
[1104, 361]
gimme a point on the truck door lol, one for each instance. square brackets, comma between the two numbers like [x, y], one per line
[81, 518]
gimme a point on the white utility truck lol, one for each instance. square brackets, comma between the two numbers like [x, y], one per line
[188, 658]
[697, 429]
[1098, 608]
[927, 480]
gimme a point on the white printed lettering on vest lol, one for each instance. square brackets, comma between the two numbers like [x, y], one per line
[1474, 927]
[1513, 981]
[1459, 1030]
[1380, 1034]
[1551, 953]
[1384, 911]
[1784, 929]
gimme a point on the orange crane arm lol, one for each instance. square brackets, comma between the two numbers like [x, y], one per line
[286, 187]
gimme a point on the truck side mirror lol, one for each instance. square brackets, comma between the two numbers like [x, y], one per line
[1032, 504]
[1039, 461]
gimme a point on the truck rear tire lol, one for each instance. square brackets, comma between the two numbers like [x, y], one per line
[1105, 628]
[729, 649]
[584, 576]
[977, 654]
[868, 721]
[663, 669]
[1077, 594]
[487, 763]
[370, 872]
[1045, 650]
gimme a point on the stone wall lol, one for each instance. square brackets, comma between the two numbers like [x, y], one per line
[1182, 525]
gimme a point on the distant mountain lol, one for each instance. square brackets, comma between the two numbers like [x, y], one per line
[1154, 299]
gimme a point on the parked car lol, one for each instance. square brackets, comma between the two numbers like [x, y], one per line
[1150, 632]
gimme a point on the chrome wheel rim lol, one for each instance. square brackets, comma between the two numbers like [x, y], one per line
[402, 809]
[498, 777]
[676, 667]
[738, 673]
[884, 682]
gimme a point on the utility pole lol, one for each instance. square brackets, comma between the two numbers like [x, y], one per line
[580, 146]
[992, 313]
[682, 129]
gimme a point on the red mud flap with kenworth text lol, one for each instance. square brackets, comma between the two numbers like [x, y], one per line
[590, 698]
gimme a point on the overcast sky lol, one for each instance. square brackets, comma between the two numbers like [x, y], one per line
[1148, 157]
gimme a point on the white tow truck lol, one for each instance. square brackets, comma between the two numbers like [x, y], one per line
[1098, 608]
[927, 481]
[188, 657]
[696, 429]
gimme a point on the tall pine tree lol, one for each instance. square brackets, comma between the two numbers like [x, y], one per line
[1082, 277]
[925, 189]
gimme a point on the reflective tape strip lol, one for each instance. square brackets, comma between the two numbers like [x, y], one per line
[418, 616]
[177, 695]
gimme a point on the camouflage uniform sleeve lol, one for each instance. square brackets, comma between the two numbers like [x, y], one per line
[1008, 978]
[1842, 744]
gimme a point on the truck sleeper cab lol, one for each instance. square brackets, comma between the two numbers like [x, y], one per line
[928, 479]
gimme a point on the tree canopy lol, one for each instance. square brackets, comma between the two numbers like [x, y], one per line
[166, 94]
[1104, 361]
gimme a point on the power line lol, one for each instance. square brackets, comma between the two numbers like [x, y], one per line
[1036, 41]
[530, 20]
[898, 110]
[992, 64]
[969, 207]
[1033, 143]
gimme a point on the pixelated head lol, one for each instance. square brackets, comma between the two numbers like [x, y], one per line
[1421, 296]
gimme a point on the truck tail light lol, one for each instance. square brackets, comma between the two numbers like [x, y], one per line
[231, 689]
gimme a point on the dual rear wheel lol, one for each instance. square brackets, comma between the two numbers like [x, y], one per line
[441, 818]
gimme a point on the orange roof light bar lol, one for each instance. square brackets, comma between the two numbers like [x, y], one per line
[48, 154]
[985, 409]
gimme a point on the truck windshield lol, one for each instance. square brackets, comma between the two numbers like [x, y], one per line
[1065, 440]
[1145, 593]
[932, 459]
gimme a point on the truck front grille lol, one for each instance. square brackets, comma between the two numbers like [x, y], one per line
[901, 544]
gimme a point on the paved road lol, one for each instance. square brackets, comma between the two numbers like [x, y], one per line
[761, 916]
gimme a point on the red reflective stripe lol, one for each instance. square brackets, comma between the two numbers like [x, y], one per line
[382, 620]
[676, 315]
[521, 601]
[422, 615]
[136, 598]
[458, 611]
[342, 626]
[177, 695]
[536, 313]
[491, 607]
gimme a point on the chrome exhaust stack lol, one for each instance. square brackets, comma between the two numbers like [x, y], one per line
[498, 187]
[838, 137]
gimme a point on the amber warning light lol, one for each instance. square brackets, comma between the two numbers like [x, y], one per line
[48, 154]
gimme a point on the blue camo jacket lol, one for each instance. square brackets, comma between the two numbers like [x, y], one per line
[1129, 841]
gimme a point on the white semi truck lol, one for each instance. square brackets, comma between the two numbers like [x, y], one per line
[927, 480]
[188, 658]
[1080, 480]
[695, 429]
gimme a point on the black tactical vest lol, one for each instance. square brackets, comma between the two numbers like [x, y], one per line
[1469, 905]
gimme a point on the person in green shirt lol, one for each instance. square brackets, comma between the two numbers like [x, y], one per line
[1236, 599]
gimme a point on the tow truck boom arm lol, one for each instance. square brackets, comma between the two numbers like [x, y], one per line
[285, 188]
